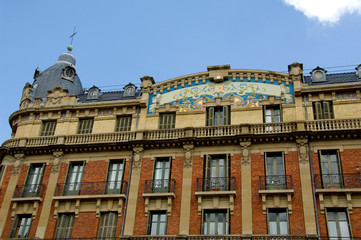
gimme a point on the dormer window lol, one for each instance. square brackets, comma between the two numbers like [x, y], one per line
[318, 74]
[129, 90]
[93, 93]
[68, 73]
[358, 68]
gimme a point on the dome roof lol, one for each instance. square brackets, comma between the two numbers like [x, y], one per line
[62, 74]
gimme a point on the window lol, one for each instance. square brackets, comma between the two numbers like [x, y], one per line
[157, 223]
[218, 116]
[322, 110]
[114, 177]
[108, 225]
[166, 120]
[48, 128]
[123, 124]
[216, 172]
[85, 125]
[275, 171]
[337, 224]
[161, 175]
[215, 222]
[33, 182]
[65, 226]
[74, 178]
[2, 170]
[21, 226]
[272, 113]
[277, 221]
[330, 168]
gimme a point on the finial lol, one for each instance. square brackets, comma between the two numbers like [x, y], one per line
[70, 48]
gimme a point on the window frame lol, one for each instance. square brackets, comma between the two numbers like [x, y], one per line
[118, 175]
[123, 123]
[278, 210]
[48, 128]
[214, 182]
[218, 116]
[319, 110]
[335, 181]
[272, 108]
[77, 184]
[89, 122]
[338, 210]
[150, 222]
[17, 225]
[106, 230]
[34, 188]
[167, 120]
[226, 226]
[279, 181]
[64, 231]
[164, 187]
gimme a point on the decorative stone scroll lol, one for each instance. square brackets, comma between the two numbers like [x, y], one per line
[25, 98]
[188, 155]
[302, 148]
[137, 159]
[246, 153]
[19, 161]
[58, 158]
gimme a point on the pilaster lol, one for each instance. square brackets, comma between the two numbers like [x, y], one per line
[246, 188]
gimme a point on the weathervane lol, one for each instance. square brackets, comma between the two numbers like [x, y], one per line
[70, 47]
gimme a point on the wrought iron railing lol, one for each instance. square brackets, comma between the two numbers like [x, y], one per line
[91, 188]
[29, 190]
[270, 182]
[216, 184]
[345, 180]
[159, 186]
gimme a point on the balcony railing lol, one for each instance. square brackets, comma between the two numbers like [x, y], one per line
[199, 132]
[345, 180]
[207, 237]
[275, 182]
[29, 190]
[91, 188]
[216, 184]
[159, 186]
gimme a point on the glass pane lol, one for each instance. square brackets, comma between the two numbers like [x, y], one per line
[344, 229]
[162, 229]
[283, 228]
[272, 227]
[332, 229]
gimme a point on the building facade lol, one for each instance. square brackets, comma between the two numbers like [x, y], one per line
[226, 152]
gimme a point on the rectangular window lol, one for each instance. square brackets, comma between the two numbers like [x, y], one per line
[166, 120]
[123, 124]
[65, 225]
[161, 175]
[85, 126]
[108, 225]
[322, 110]
[48, 128]
[331, 168]
[277, 221]
[21, 226]
[338, 224]
[216, 172]
[74, 178]
[218, 116]
[33, 181]
[114, 177]
[272, 113]
[157, 223]
[215, 222]
[275, 171]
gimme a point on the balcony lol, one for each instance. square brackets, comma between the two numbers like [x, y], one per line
[90, 196]
[215, 193]
[158, 195]
[338, 190]
[29, 191]
[276, 192]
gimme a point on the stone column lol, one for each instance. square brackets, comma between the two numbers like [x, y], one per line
[133, 191]
[246, 188]
[185, 213]
[50, 190]
[19, 160]
[306, 187]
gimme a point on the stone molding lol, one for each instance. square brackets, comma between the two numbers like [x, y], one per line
[188, 155]
[302, 149]
[137, 159]
[57, 160]
[246, 153]
[19, 161]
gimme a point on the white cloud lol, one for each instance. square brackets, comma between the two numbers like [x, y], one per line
[326, 11]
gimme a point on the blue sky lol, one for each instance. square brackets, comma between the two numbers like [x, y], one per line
[118, 42]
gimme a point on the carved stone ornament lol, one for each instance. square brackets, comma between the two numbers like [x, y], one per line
[302, 148]
[58, 157]
[246, 153]
[25, 98]
[188, 155]
[137, 159]
[56, 95]
[19, 161]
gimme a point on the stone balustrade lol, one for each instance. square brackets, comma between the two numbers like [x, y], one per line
[199, 132]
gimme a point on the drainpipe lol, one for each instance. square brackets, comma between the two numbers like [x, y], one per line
[312, 175]
[129, 178]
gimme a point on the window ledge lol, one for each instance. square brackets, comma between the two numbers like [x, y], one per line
[216, 200]
[158, 201]
[276, 198]
[27, 199]
[89, 196]
[339, 197]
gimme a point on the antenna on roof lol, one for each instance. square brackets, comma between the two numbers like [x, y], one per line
[70, 47]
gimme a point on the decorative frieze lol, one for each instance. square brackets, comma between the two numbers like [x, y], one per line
[246, 153]
[188, 155]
